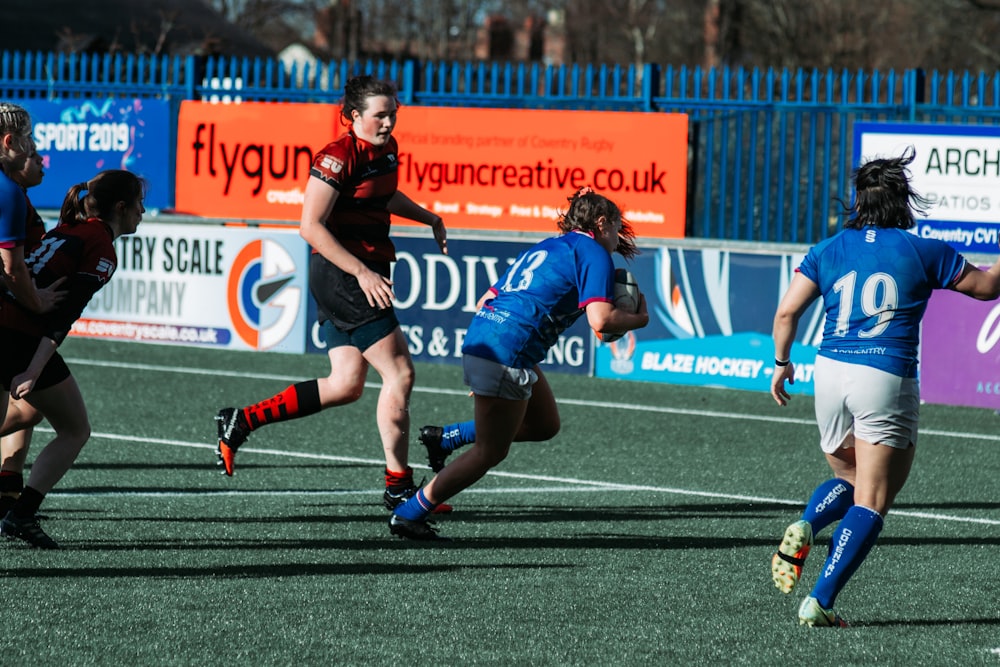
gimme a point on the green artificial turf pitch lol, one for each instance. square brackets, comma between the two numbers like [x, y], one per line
[641, 534]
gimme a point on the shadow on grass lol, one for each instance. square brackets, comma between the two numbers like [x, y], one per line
[964, 505]
[506, 514]
[575, 541]
[615, 513]
[939, 541]
[924, 622]
[263, 571]
[209, 465]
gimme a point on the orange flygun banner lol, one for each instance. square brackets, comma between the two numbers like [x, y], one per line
[493, 169]
[249, 160]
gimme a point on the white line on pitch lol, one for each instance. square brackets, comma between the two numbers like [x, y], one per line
[565, 401]
[304, 492]
[592, 484]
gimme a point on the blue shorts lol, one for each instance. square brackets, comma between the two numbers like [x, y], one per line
[362, 337]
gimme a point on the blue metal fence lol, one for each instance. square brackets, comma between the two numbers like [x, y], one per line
[769, 150]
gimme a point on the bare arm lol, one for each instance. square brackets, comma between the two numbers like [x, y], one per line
[801, 293]
[979, 284]
[24, 382]
[487, 296]
[318, 204]
[18, 279]
[405, 207]
[605, 318]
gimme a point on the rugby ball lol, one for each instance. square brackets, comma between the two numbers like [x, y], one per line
[626, 297]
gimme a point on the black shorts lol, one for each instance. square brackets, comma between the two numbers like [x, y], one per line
[362, 337]
[18, 349]
[339, 297]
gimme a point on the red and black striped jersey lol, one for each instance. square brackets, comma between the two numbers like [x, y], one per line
[365, 177]
[81, 251]
[34, 226]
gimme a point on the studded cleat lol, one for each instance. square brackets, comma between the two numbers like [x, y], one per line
[414, 530]
[26, 529]
[786, 564]
[813, 615]
[233, 432]
[430, 437]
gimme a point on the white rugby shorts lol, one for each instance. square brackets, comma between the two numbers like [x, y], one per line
[873, 405]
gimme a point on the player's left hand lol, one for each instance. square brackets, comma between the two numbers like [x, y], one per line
[440, 235]
[22, 385]
[778, 389]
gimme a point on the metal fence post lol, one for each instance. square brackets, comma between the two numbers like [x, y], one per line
[409, 82]
[650, 86]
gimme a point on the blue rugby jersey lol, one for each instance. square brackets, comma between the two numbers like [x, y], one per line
[13, 212]
[542, 293]
[875, 285]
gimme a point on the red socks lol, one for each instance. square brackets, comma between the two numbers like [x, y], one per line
[398, 479]
[298, 400]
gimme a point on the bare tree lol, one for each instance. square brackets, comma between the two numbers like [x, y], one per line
[898, 34]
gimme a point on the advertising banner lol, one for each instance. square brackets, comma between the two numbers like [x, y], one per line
[512, 169]
[495, 169]
[78, 138]
[960, 351]
[711, 314]
[207, 285]
[436, 298]
[248, 161]
[957, 168]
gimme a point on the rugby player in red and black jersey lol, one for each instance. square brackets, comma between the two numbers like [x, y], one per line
[80, 253]
[349, 199]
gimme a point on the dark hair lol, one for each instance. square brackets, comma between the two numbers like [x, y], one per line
[358, 89]
[883, 196]
[586, 207]
[103, 192]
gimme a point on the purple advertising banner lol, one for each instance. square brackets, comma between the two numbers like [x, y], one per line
[960, 351]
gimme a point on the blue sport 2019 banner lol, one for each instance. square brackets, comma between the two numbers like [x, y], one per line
[78, 138]
[710, 317]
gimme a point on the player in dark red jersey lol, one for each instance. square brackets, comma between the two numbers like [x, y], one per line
[21, 417]
[79, 252]
[351, 192]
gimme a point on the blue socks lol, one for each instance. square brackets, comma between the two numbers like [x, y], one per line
[416, 508]
[828, 503]
[457, 435]
[852, 540]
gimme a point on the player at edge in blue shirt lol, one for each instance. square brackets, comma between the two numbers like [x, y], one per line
[545, 290]
[875, 279]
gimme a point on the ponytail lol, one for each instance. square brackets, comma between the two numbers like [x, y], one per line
[72, 207]
[97, 197]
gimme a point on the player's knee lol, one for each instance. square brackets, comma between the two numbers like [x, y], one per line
[74, 433]
[405, 380]
[550, 428]
[540, 430]
[492, 456]
[335, 390]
